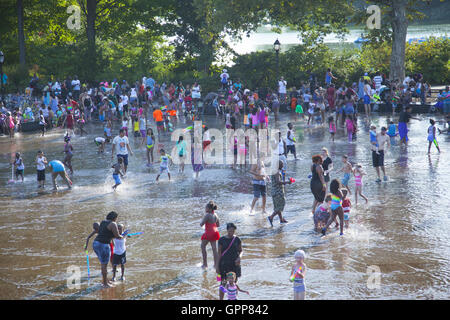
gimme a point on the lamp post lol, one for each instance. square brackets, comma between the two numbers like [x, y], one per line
[276, 47]
[2, 59]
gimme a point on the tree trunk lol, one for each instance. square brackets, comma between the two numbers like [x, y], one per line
[91, 6]
[399, 29]
[20, 29]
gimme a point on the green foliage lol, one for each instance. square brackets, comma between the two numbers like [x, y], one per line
[258, 69]
[17, 77]
[431, 58]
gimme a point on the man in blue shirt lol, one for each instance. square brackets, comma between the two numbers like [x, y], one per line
[58, 169]
[150, 83]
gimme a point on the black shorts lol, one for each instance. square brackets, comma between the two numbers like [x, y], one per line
[290, 149]
[119, 259]
[378, 159]
[259, 190]
[41, 175]
[19, 171]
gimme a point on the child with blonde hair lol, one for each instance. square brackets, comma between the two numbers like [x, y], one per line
[298, 273]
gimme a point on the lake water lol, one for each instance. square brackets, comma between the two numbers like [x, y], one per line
[402, 232]
[264, 39]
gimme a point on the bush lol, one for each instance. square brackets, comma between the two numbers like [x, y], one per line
[431, 58]
[18, 78]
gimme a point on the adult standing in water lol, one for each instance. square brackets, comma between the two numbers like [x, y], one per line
[378, 157]
[123, 147]
[229, 256]
[107, 231]
[327, 166]
[318, 185]
[58, 169]
[259, 183]
[403, 120]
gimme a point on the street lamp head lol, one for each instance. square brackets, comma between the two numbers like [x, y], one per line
[276, 45]
[2, 57]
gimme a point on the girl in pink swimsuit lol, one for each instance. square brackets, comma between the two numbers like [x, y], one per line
[358, 172]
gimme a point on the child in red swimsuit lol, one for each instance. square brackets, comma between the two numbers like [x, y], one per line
[211, 235]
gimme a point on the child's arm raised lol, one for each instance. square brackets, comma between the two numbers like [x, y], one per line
[239, 289]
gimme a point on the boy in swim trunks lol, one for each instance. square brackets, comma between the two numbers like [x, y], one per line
[164, 164]
[347, 169]
[118, 168]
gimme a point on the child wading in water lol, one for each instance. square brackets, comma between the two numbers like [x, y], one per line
[332, 127]
[322, 214]
[118, 170]
[150, 145]
[120, 254]
[18, 164]
[358, 172]
[100, 143]
[68, 151]
[336, 206]
[41, 161]
[211, 235]
[346, 206]
[231, 288]
[164, 164]
[95, 228]
[298, 273]
[347, 168]
[432, 136]
[350, 127]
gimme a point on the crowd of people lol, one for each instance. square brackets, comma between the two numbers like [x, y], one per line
[124, 108]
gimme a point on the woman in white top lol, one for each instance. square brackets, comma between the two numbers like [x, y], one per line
[196, 93]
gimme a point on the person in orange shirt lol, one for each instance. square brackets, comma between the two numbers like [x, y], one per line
[158, 116]
[173, 114]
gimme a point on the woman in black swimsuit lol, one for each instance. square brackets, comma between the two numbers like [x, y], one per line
[107, 231]
[318, 185]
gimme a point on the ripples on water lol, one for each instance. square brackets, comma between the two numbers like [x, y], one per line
[403, 230]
